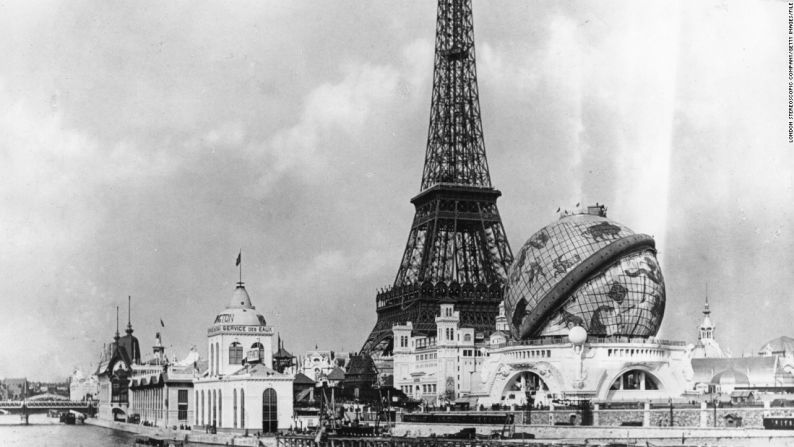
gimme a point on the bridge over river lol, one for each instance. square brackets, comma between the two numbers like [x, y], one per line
[42, 406]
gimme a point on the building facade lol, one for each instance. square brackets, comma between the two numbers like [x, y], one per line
[438, 369]
[161, 391]
[83, 388]
[240, 390]
[113, 374]
[540, 372]
[319, 363]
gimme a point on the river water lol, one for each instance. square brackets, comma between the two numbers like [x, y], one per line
[47, 432]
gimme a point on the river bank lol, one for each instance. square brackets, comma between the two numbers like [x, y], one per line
[191, 436]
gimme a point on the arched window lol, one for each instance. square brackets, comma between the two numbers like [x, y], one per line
[269, 411]
[235, 354]
[234, 408]
[242, 408]
[635, 379]
[220, 408]
[467, 337]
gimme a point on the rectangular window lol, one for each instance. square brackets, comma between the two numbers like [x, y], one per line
[182, 405]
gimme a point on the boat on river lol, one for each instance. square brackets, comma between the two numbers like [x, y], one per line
[158, 441]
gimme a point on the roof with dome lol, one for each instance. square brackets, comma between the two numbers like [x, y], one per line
[734, 370]
[239, 310]
[779, 345]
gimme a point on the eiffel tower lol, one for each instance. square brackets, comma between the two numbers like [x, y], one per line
[457, 251]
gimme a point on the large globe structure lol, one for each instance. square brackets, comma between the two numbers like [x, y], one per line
[585, 270]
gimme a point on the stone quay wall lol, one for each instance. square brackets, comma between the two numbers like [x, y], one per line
[596, 435]
[646, 416]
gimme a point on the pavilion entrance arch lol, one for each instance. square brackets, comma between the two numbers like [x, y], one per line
[631, 383]
[523, 386]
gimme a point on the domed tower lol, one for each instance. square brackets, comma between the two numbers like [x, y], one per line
[239, 333]
[585, 270]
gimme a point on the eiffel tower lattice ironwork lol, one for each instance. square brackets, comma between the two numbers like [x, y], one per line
[457, 251]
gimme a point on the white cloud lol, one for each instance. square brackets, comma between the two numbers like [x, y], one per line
[332, 114]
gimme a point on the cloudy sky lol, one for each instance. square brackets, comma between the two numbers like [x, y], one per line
[142, 144]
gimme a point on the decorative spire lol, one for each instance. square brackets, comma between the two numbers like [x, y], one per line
[129, 315]
[706, 310]
[116, 337]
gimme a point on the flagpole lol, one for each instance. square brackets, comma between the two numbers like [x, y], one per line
[241, 265]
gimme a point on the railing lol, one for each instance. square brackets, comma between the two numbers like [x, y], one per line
[338, 441]
[44, 404]
[458, 418]
[563, 340]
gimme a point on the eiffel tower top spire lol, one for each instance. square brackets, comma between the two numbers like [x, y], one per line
[455, 146]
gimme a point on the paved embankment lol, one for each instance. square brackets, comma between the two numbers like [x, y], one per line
[186, 435]
[602, 435]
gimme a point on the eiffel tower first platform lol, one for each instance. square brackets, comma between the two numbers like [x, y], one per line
[457, 251]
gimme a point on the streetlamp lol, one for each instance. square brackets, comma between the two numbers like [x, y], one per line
[578, 336]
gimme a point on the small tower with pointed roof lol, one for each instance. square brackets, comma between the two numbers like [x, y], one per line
[707, 346]
[158, 349]
[706, 330]
[282, 359]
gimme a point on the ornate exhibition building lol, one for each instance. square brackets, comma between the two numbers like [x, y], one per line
[583, 303]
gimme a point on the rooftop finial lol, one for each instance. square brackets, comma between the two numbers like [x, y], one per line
[706, 310]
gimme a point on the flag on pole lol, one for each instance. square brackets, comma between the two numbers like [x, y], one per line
[239, 258]
[161, 322]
